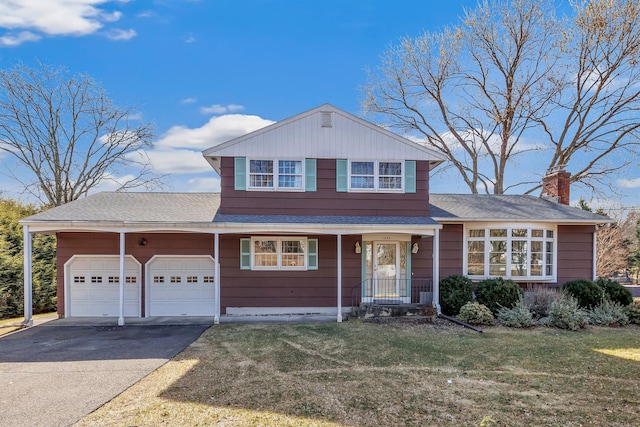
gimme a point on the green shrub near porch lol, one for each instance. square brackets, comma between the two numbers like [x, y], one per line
[498, 293]
[455, 291]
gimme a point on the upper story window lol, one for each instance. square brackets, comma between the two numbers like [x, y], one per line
[276, 174]
[375, 176]
[518, 252]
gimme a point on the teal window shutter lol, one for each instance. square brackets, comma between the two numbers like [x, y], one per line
[310, 175]
[245, 254]
[240, 171]
[410, 176]
[342, 175]
[312, 254]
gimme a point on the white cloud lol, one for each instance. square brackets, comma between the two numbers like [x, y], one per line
[178, 151]
[15, 39]
[189, 100]
[217, 130]
[54, 17]
[221, 109]
[119, 34]
[178, 161]
[111, 182]
[189, 39]
[629, 183]
[204, 185]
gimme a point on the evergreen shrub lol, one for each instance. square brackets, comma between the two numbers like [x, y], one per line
[497, 293]
[455, 291]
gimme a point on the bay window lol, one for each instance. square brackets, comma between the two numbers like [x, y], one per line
[518, 252]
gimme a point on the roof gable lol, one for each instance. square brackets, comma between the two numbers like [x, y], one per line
[311, 135]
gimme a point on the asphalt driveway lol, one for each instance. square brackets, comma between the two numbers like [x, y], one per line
[54, 374]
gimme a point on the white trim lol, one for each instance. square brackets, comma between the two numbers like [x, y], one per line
[595, 255]
[27, 248]
[339, 258]
[122, 279]
[376, 177]
[67, 279]
[279, 253]
[148, 280]
[282, 311]
[436, 271]
[275, 174]
[486, 226]
[216, 251]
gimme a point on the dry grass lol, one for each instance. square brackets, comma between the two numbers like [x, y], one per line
[360, 374]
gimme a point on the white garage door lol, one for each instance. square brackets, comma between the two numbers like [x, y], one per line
[181, 286]
[94, 286]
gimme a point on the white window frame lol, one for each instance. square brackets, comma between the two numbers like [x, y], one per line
[276, 175]
[376, 177]
[509, 239]
[279, 253]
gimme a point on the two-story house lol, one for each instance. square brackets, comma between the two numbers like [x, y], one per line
[317, 213]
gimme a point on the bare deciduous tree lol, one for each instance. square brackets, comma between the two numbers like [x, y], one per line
[68, 134]
[512, 78]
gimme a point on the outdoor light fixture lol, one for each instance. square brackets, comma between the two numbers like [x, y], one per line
[415, 248]
[142, 241]
[358, 248]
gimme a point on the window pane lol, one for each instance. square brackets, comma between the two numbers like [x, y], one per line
[293, 253]
[261, 181]
[549, 234]
[475, 258]
[361, 182]
[519, 232]
[290, 167]
[519, 258]
[498, 233]
[261, 166]
[498, 257]
[390, 168]
[390, 183]
[476, 233]
[537, 233]
[265, 253]
[362, 168]
[290, 181]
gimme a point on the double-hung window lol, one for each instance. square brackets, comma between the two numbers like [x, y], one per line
[279, 253]
[276, 174]
[518, 252]
[375, 176]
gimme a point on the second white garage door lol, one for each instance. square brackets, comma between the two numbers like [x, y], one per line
[181, 286]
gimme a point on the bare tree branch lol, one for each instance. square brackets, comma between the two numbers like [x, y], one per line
[68, 134]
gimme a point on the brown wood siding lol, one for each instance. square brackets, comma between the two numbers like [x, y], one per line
[326, 200]
[451, 250]
[312, 288]
[575, 252]
[70, 244]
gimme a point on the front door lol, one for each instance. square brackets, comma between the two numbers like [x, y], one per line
[386, 266]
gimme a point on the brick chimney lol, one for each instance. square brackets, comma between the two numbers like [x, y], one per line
[556, 186]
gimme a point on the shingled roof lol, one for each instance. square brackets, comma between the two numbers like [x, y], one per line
[508, 208]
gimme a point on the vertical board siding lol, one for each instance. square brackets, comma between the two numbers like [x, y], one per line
[575, 252]
[326, 200]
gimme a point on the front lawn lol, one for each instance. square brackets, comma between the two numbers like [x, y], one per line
[364, 374]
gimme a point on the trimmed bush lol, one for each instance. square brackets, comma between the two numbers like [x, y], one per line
[518, 316]
[498, 293]
[615, 291]
[539, 299]
[587, 293]
[608, 313]
[475, 314]
[565, 313]
[455, 291]
[633, 312]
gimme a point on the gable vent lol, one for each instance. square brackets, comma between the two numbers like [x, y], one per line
[326, 119]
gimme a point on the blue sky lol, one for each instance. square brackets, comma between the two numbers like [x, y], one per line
[208, 70]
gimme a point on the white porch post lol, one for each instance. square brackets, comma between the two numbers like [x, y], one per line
[216, 279]
[339, 255]
[121, 315]
[595, 255]
[436, 270]
[28, 285]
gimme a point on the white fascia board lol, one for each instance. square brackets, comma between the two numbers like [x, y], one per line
[520, 220]
[231, 228]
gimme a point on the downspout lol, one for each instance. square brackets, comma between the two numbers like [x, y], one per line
[121, 314]
[216, 279]
[28, 276]
[436, 271]
[339, 255]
